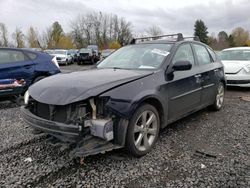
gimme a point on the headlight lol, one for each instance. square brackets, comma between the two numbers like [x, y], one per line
[247, 69]
[26, 97]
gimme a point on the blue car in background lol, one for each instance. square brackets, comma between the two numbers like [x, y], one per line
[19, 68]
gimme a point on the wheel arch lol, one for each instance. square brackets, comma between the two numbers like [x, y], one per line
[122, 126]
[157, 103]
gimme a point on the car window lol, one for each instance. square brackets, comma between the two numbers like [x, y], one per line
[235, 55]
[202, 54]
[7, 56]
[212, 53]
[184, 53]
[138, 56]
[32, 55]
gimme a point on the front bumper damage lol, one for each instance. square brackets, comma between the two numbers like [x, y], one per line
[83, 144]
[52, 127]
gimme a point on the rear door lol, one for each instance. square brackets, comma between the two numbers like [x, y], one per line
[184, 91]
[208, 71]
[4, 73]
[17, 67]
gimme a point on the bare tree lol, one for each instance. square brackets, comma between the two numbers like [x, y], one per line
[77, 35]
[3, 35]
[18, 37]
[154, 31]
[101, 29]
[32, 38]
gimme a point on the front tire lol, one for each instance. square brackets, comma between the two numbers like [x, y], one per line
[219, 99]
[143, 130]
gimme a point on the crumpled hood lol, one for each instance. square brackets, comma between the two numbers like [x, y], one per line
[232, 67]
[62, 89]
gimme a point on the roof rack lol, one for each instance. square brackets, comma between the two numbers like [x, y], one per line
[142, 39]
[195, 38]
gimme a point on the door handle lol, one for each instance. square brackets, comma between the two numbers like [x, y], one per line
[198, 78]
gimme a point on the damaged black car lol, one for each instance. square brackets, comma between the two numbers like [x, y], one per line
[129, 96]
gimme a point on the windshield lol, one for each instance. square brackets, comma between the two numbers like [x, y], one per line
[85, 50]
[71, 52]
[238, 55]
[92, 47]
[61, 52]
[141, 56]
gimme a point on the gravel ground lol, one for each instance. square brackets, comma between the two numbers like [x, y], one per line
[206, 149]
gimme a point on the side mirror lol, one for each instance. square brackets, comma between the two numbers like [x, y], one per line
[182, 66]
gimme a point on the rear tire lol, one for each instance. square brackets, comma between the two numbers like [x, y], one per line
[219, 98]
[143, 130]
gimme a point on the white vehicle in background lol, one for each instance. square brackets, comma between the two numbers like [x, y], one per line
[236, 63]
[49, 51]
[63, 57]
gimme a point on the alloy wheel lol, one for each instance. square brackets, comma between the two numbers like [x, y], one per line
[220, 96]
[145, 130]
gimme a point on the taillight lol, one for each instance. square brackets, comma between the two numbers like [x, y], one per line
[55, 61]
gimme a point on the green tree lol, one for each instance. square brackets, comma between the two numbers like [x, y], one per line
[200, 30]
[57, 32]
[231, 41]
[222, 40]
[54, 35]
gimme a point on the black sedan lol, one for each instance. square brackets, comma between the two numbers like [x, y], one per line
[129, 97]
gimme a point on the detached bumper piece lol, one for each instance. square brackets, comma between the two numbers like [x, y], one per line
[92, 146]
[52, 127]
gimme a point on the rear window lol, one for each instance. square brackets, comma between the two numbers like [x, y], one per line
[202, 54]
[32, 55]
[10, 56]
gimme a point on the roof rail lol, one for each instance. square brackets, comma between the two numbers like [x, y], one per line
[195, 38]
[142, 39]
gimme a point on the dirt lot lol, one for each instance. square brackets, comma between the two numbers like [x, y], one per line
[206, 149]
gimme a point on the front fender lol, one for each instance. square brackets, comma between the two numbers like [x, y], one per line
[126, 108]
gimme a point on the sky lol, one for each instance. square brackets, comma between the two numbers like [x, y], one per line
[171, 16]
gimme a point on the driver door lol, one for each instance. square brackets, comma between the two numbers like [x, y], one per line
[184, 90]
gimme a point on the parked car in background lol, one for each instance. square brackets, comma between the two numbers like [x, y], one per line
[105, 53]
[74, 54]
[63, 57]
[48, 51]
[19, 68]
[86, 55]
[34, 49]
[97, 52]
[236, 63]
[129, 97]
